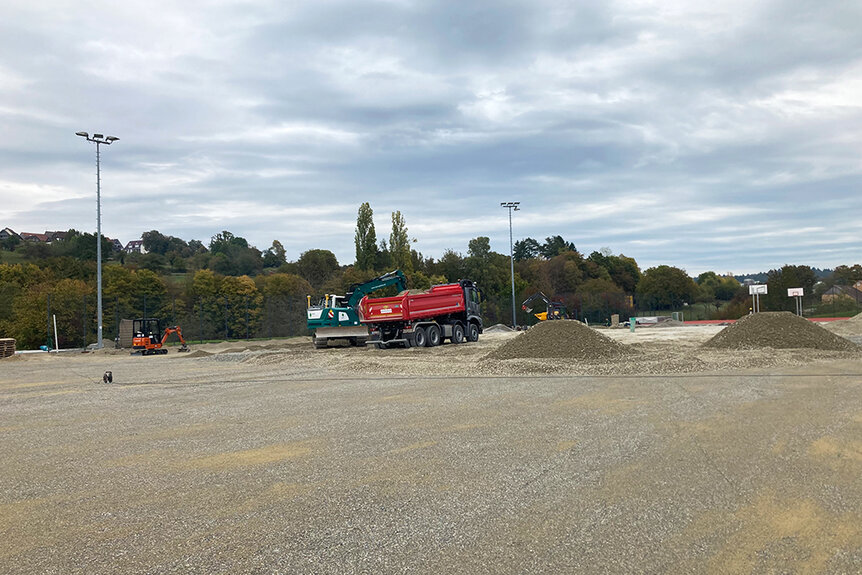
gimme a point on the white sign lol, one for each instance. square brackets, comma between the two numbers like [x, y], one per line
[795, 292]
[757, 289]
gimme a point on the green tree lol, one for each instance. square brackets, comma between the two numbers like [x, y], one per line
[242, 303]
[365, 238]
[665, 287]
[787, 277]
[555, 245]
[67, 304]
[275, 256]
[317, 266]
[526, 249]
[399, 244]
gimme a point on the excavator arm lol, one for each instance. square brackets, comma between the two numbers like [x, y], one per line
[358, 291]
[175, 329]
[535, 296]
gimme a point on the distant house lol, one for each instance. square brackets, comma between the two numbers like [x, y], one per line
[117, 244]
[6, 233]
[56, 236]
[135, 247]
[853, 292]
[31, 237]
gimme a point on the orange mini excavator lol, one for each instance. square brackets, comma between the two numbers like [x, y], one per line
[148, 338]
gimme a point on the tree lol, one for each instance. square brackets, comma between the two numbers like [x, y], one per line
[787, 277]
[622, 270]
[316, 266]
[365, 238]
[274, 256]
[231, 255]
[664, 287]
[555, 245]
[241, 300]
[451, 266]
[399, 244]
[526, 249]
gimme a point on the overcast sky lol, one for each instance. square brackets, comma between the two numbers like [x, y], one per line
[720, 136]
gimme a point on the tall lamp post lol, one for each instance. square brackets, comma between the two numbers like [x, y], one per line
[98, 139]
[512, 206]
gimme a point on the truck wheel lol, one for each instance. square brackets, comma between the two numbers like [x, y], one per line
[433, 336]
[457, 333]
[473, 332]
[419, 337]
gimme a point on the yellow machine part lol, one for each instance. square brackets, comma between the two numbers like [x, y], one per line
[542, 316]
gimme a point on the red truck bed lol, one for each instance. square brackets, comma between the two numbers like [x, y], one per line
[439, 300]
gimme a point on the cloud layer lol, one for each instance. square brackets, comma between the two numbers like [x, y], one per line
[723, 136]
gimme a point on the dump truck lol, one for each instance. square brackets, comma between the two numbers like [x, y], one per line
[424, 319]
[335, 317]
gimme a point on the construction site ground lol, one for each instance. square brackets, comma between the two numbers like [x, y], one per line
[274, 457]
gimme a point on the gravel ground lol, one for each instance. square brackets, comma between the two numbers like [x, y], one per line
[278, 458]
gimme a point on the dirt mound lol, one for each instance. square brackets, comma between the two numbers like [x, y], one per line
[565, 339]
[498, 327]
[198, 353]
[778, 330]
[847, 327]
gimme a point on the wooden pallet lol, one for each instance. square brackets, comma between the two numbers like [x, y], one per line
[7, 347]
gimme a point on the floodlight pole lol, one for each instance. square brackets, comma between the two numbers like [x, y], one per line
[98, 139]
[512, 206]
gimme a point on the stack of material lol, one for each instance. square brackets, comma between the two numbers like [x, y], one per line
[846, 327]
[778, 330]
[7, 347]
[563, 339]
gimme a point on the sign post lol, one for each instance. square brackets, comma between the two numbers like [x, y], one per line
[797, 293]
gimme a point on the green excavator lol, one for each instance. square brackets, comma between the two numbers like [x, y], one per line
[335, 317]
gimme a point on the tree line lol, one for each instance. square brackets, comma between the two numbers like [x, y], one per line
[229, 288]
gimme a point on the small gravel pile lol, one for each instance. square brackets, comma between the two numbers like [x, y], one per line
[778, 330]
[566, 339]
[498, 327]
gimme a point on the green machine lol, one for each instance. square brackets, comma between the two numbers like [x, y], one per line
[335, 317]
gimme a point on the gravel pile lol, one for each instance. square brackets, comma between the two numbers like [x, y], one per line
[778, 330]
[567, 339]
[498, 327]
[846, 327]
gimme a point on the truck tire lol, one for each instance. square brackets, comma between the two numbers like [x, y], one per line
[420, 338]
[472, 332]
[433, 336]
[457, 333]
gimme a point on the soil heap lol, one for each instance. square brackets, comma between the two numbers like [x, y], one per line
[778, 330]
[851, 326]
[498, 327]
[563, 339]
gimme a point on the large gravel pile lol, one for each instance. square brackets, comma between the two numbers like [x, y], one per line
[559, 339]
[778, 330]
[847, 327]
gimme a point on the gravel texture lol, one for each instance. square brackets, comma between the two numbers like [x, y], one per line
[280, 458]
[779, 330]
[846, 327]
[568, 339]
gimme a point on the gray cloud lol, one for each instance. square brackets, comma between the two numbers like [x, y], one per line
[707, 136]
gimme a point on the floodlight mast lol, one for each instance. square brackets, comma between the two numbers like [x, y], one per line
[98, 139]
[512, 206]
